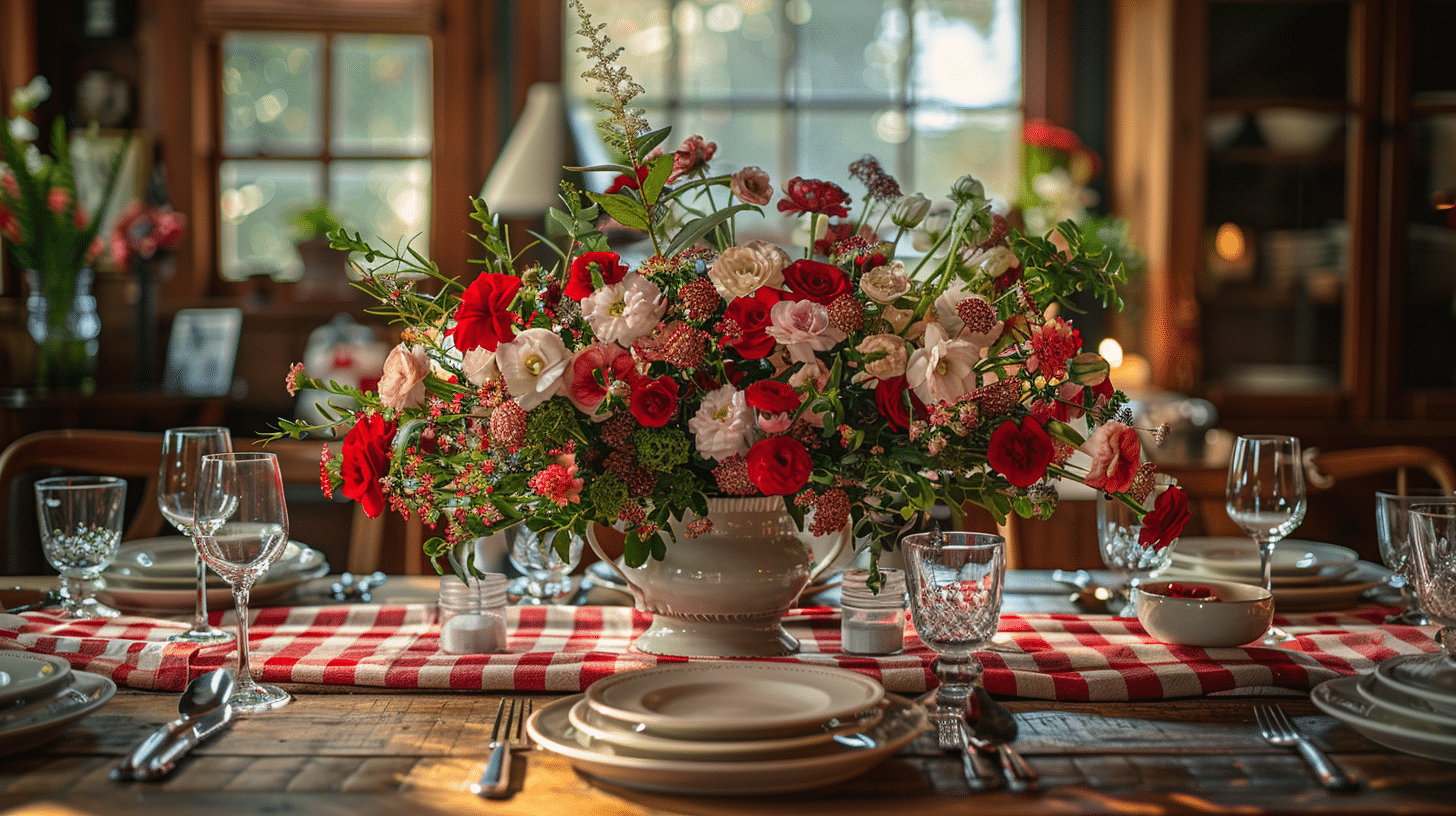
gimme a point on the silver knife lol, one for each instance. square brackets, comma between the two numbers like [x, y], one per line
[202, 728]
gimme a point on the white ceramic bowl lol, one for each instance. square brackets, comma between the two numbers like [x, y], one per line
[1219, 129]
[1296, 130]
[1240, 615]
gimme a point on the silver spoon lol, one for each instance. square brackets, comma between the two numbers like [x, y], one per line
[993, 729]
[205, 693]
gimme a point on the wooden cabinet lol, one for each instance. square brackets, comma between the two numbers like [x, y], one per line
[1290, 170]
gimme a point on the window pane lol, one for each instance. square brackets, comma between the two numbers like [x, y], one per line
[729, 49]
[968, 53]
[951, 143]
[832, 140]
[381, 95]
[1430, 329]
[271, 86]
[258, 200]
[385, 200]
[845, 50]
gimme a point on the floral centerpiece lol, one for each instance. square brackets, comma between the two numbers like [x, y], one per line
[860, 386]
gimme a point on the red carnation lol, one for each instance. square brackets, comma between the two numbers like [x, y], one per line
[366, 461]
[608, 264]
[1165, 522]
[484, 317]
[814, 196]
[750, 317]
[779, 465]
[1021, 453]
[654, 401]
[773, 397]
[816, 281]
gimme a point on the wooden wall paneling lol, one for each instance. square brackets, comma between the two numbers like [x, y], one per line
[1047, 55]
[1364, 397]
[1389, 282]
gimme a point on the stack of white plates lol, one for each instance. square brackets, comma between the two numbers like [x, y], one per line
[160, 575]
[728, 729]
[40, 696]
[1408, 703]
[1306, 574]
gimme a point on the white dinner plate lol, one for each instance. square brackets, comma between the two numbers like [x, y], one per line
[26, 676]
[622, 735]
[1238, 557]
[851, 755]
[1412, 675]
[733, 701]
[1374, 689]
[1343, 593]
[133, 599]
[85, 694]
[1340, 698]
[127, 571]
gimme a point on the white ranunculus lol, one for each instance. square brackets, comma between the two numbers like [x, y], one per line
[803, 328]
[777, 258]
[625, 311]
[741, 270]
[532, 365]
[886, 282]
[943, 370]
[722, 424]
[892, 363]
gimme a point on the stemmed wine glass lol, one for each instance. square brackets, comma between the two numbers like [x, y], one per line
[241, 527]
[955, 583]
[1266, 498]
[1393, 528]
[1433, 571]
[182, 452]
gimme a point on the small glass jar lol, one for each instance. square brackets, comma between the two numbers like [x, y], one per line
[872, 623]
[472, 616]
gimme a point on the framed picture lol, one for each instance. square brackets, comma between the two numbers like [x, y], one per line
[202, 352]
[91, 157]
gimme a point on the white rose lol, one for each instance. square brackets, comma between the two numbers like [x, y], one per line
[886, 282]
[532, 365]
[892, 363]
[722, 424]
[625, 311]
[741, 270]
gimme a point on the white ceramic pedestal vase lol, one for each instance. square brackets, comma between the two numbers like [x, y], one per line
[723, 593]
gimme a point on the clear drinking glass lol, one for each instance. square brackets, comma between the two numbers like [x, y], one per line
[1433, 572]
[80, 531]
[1266, 499]
[182, 452]
[1392, 526]
[1119, 533]
[241, 527]
[954, 581]
[545, 576]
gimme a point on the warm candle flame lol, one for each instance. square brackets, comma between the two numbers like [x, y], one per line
[1229, 242]
[1111, 351]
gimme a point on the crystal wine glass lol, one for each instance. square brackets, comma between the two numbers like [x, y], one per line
[182, 452]
[1119, 533]
[1392, 525]
[955, 583]
[545, 575]
[1433, 572]
[241, 527]
[1266, 499]
[80, 530]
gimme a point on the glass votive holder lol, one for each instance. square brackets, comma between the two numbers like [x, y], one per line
[872, 623]
[472, 615]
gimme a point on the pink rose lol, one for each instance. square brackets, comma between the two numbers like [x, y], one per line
[752, 186]
[403, 383]
[1116, 453]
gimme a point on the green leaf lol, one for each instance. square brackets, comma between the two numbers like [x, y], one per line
[657, 172]
[634, 550]
[604, 168]
[628, 211]
[691, 232]
[647, 141]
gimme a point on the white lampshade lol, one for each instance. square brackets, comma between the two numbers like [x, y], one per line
[525, 180]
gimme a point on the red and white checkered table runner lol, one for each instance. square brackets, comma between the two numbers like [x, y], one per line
[565, 649]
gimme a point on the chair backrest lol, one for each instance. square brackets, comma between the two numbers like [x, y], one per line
[1324, 470]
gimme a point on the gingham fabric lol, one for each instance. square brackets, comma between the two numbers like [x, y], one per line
[564, 649]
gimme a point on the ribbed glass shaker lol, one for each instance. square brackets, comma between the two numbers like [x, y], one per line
[872, 623]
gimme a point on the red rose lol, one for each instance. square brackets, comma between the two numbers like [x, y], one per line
[626, 182]
[813, 196]
[484, 317]
[816, 281]
[608, 264]
[1165, 522]
[654, 401]
[773, 397]
[779, 465]
[891, 403]
[1021, 454]
[750, 316]
[366, 461]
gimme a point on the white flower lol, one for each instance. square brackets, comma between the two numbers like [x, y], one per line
[993, 262]
[949, 317]
[898, 318]
[478, 366]
[775, 254]
[944, 370]
[625, 311]
[930, 229]
[893, 359]
[532, 365]
[803, 328]
[909, 211]
[886, 282]
[741, 270]
[722, 424]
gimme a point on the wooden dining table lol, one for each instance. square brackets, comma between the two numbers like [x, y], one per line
[361, 751]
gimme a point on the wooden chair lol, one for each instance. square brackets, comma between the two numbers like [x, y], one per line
[137, 456]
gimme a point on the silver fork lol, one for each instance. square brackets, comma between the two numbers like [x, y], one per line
[1278, 730]
[508, 734]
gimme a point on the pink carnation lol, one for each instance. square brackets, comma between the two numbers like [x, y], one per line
[558, 482]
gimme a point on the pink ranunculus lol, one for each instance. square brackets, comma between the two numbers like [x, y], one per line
[403, 383]
[1116, 454]
[803, 328]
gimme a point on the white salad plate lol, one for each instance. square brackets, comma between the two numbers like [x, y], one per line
[126, 571]
[1413, 675]
[733, 701]
[845, 757]
[624, 736]
[1237, 557]
[20, 730]
[1341, 593]
[26, 676]
[1412, 733]
[1374, 689]
[269, 588]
